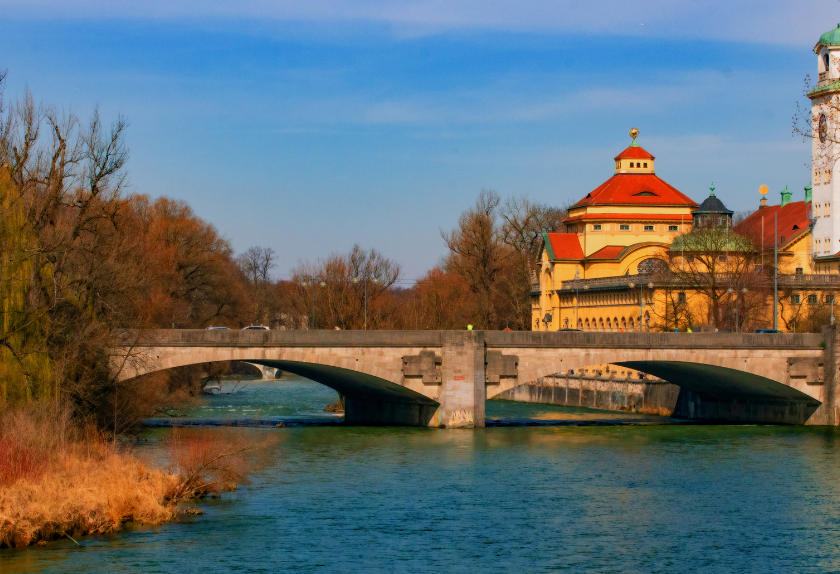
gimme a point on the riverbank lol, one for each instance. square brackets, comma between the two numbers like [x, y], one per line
[57, 481]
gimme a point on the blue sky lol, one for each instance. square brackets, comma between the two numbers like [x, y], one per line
[311, 126]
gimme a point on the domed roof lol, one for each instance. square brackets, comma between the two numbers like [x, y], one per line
[635, 151]
[713, 205]
[830, 38]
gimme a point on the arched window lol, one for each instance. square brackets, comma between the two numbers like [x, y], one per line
[609, 324]
[652, 265]
[587, 324]
[826, 62]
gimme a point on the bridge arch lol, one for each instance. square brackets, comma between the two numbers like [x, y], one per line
[710, 380]
[374, 389]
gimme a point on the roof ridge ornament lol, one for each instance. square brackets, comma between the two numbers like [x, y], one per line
[634, 133]
[712, 189]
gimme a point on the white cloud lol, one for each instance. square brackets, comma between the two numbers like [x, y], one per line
[758, 21]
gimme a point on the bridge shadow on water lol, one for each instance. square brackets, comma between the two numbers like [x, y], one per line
[295, 401]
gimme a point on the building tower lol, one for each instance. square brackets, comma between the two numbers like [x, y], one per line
[825, 151]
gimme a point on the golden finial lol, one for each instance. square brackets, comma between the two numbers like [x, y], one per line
[634, 133]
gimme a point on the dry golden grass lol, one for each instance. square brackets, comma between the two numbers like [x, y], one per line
[658, 411]
[81, 494]
[67, 482]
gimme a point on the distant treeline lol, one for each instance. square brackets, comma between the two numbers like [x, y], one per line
[81, 257]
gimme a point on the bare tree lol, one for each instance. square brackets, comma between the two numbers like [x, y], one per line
[719, 266]
[340, 287]
[257, 263]
[476, 252]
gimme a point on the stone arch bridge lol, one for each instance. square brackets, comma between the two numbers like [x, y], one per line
[442, 378]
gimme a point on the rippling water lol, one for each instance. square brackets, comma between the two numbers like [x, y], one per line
[574, 498]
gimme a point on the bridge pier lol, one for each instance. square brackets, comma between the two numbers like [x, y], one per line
[828, 413]
[378, 411]
[463, 391]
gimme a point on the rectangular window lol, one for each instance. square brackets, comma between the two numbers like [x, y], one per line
[826, 245]
[722, 258]
[827, 209]
[648, 227]
[795, 299]
[689, 259]
[673, 228]
[812, 299]
[624, 227]
[817, 210]
[816, 177]
[799, 270]
[645, 164]
[681, 297]
[596, 227]
[827, 175]
[829, 299]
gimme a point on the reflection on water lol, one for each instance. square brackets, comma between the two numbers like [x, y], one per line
[574, 498]
[294, 399]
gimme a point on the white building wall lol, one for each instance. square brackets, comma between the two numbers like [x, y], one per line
[821, 161]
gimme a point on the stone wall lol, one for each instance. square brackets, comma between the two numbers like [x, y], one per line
[611, 394]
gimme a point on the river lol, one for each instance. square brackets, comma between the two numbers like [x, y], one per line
[603, 497]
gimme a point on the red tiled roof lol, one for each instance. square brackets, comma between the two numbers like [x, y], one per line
[628, 216]
[636, 189]
[634, 152]
[608, 252]
[793, 220]
[564, 246]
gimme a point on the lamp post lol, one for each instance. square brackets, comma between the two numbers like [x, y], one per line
[731, 291]
[833, 297]
[307, 281]
[374, 281]
[641, 300]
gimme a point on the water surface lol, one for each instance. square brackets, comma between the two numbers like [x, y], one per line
[527, 499]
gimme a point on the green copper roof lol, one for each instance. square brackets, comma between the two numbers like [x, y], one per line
[786, 194]
[831, 38]
[832, 86]
[547, 243]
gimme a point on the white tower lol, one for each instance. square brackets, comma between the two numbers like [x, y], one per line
[825, 150]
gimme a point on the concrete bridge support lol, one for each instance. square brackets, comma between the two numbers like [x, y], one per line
[460, 397]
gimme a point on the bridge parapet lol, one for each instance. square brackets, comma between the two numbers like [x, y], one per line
[442, 378]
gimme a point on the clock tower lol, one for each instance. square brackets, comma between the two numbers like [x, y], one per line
[825, 145]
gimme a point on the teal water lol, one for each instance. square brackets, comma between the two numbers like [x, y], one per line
[657, 498]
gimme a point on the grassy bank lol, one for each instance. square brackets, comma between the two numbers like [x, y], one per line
[58, 481]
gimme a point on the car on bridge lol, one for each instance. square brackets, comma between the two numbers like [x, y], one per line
[256, 328]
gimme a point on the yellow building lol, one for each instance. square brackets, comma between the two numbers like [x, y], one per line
[603, 272]
[621, 228]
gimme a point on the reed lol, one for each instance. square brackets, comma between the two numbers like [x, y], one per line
[58, 481]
